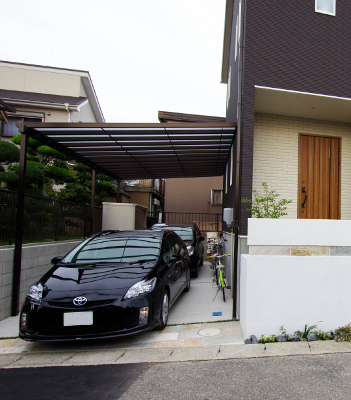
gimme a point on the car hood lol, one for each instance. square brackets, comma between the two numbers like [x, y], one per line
[67, 281]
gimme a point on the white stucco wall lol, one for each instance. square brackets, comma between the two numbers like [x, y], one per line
[120, 216]
[276, 151]
[310, 283]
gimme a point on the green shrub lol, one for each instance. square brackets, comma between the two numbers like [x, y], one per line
[266, 205]
[35, 164]
[59, 175]
[79, 167]
[9, 153]
[48, 154]
[10, 178]
[343, 334]
[32, 158]
[32, 143]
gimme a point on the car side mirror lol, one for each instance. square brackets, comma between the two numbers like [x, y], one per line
[201, 238]
[57, 259]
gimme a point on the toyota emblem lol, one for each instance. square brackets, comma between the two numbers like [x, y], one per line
[80, 301]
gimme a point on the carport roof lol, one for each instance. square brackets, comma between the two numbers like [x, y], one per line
[137, 151]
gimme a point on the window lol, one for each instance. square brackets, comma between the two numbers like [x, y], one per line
[216, 197]
[325, 6]
[10, 129]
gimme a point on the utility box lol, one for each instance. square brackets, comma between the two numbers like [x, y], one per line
[123, 216]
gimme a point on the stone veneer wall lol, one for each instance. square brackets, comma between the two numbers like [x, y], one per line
[276, 155]
[36, 260]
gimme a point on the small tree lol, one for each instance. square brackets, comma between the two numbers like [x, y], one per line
[9, 153]
[266, 205]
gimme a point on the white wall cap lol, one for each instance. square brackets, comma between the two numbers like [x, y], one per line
[298, 232]
[106, 204]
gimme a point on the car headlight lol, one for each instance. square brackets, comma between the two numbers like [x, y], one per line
[190, 250]
[35, 292]
[140, 288]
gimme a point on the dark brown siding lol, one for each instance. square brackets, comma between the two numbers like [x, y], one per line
[290, 46]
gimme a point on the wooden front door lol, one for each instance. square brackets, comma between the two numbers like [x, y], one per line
[319, 185]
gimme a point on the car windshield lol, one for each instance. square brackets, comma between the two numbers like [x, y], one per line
[115, 249]
[184, 232]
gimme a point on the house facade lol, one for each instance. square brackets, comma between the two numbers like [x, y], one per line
[45, 94]
[286, 66]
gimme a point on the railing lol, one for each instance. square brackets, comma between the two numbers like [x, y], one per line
[205, 222]
[45, 218]
[155, 183]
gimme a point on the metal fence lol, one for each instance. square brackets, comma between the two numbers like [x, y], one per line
[205, 222]
[45, 218]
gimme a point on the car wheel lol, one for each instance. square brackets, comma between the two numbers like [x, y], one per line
[195, 273]
[164, 311]
[202, 258]
[187, 287]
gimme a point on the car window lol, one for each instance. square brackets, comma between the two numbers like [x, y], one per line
[116, 249]
[167, 249]
[184, 232]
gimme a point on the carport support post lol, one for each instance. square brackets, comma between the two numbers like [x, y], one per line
[92, 203]
[16, 280]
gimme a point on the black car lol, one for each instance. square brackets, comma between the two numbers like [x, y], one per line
[112, 284]
[191, 235]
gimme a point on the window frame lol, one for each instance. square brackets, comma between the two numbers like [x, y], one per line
[326, 12]
[212, 197]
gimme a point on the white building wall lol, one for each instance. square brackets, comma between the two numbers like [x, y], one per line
[25, 79]
[84, 115]
[297, 272]
[276, 152]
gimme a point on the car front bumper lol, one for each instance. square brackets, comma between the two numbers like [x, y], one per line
[46, 322]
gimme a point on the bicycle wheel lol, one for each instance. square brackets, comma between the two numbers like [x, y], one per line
[222, 283]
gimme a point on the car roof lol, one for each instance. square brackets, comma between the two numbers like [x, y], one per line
[125, 234]
[163, 225]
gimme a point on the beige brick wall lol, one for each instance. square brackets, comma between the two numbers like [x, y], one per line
[276, 147]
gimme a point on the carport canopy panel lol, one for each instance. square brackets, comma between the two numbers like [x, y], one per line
[141, 151]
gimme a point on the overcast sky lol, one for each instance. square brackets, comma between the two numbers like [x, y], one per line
[143, 55]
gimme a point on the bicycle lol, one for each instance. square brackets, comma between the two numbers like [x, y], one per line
[221, 279]
[216, 248]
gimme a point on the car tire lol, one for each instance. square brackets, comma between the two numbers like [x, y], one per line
[187, 287]
[164, 311]
[202, 258]
[195, 273]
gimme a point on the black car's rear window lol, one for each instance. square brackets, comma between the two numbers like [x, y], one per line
[184, 232]
[116, 249]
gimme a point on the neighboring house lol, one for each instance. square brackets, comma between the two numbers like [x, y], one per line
[179, 195]
[202, 195]
[145, 192]
[287, 68]
[46, 94]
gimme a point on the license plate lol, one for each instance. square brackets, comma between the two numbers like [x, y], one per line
[78, 318]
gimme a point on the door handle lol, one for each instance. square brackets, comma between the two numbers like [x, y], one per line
[304, 191]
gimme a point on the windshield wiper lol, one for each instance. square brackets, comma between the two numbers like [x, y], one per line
[142, 261]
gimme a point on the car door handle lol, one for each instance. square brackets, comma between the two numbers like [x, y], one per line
[304, 191]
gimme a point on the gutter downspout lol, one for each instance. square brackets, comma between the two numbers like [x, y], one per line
[238, 179]
[69, 112]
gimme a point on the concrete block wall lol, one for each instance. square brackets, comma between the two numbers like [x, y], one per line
[276, 155]
[36, 261]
